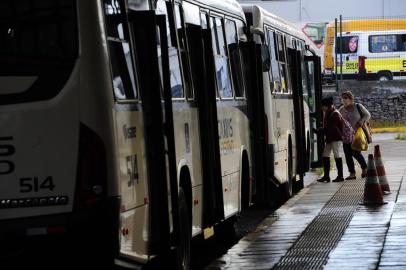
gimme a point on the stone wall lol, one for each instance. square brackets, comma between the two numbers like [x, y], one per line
[386, 101]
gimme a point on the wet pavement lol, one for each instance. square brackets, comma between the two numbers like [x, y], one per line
[325, 227]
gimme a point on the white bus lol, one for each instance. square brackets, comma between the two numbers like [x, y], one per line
[288, 103]
[124, 125]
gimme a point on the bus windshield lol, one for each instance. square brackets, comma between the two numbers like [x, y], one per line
[37, 38]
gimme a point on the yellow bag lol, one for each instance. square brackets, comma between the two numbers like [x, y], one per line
[360, 142]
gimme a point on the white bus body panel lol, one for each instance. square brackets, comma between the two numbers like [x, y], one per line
[188, 155]
[132, 175]
[134, 243]
[131, 158]
[45, 136]
[233, 136]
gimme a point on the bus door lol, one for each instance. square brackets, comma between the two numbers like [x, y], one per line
[202, 63]
[149, 31]
[297, 95]
[314, 95]
[256, 62]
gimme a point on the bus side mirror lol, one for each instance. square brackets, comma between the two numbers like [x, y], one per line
[266, 58]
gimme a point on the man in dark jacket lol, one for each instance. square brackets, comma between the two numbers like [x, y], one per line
[332, 130]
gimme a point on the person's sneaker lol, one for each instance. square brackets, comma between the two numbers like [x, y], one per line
[324, 179]
[364, 173]
[351, 177]
[339, 179]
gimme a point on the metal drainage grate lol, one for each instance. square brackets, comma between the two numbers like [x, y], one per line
[312, 248]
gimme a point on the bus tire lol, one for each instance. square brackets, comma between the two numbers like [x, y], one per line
[384, 76]
[184, 250]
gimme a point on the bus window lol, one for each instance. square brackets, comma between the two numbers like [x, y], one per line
[38, 42]
[288, 42]
[282, 63]
[274, 71]
[214, 37]
[114, 12]
[231, 32]
[235, 59]
[164, 8]
[179, 27]
[306, 94]
[311, 87]
[402, 43]
[221, 59]
[387, 43]
[220, 36]
[122, 68]
[40, 34]
[137, 5]
[203, 20]
[349, 44]
[281, 49]
[183, 51]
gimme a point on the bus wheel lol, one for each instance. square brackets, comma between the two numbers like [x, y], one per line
[184, 255]
[385, 76]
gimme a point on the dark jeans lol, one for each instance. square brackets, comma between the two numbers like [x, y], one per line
[349, 154]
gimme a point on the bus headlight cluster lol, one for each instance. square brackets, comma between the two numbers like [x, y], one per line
[33, 202]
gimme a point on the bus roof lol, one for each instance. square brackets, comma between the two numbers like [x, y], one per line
[371, 25]
[261, 16]
[227, 6]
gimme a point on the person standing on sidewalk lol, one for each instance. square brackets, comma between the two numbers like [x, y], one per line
[332, 130]
[356, 114]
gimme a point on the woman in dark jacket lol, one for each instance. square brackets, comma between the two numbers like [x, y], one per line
[332, 129]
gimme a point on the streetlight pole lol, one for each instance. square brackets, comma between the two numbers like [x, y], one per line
[341, 49]
[335, 54]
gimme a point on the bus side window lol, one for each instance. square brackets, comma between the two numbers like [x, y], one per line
[288, 40]
[137, 5]
[203, 20]
[114, 11]
[387, 43]
[235, 58]
[221, 59]
[382, 43]
[402, 42]
[305, 89]
[122, 68]
[165, 8]
[180, 26]
[282, 62]
[274, 71]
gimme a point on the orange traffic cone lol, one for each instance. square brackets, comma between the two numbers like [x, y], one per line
[372, 190]
[380, 170]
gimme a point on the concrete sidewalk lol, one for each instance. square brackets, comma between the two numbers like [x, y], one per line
[324, 226]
